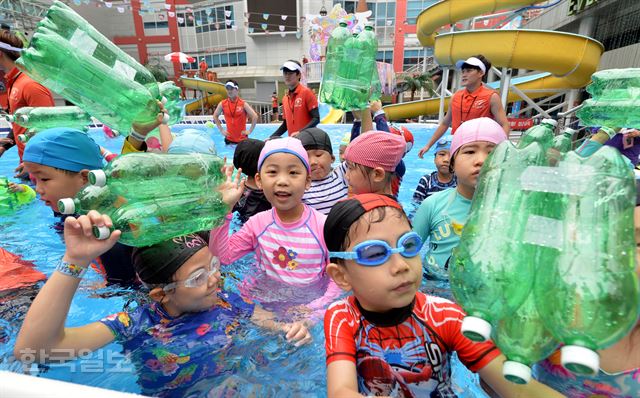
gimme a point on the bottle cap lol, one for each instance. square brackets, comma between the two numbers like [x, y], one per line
[569, 131]
[23, 138]
[165, 118]
[67, 206]
[98, 177]
[551, 122]
[580, 360]
[516, 372]
[475, 329]
[9, 118]
[24, 118]
[163, 100]
[101, 233]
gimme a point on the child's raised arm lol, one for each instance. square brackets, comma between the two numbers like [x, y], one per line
[43, 328]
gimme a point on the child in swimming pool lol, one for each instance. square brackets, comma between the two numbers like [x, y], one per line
[388, 338]
[174, 341]
[287, 239]
[59, 161]
[442, 216]
[253, 201]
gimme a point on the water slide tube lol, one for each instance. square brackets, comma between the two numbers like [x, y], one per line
[568, 59]
[216, 91]
[328, 114]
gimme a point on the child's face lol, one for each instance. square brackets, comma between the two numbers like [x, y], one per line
[193, 299]
[358, 179]
[468, 161]
[341, 152]
[320, 162]
[283, 178]
[53, 184]
[392, 284]
[442, 160]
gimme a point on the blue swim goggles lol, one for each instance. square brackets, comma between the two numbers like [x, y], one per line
[372, 253]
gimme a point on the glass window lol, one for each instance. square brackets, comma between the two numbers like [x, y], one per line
[149, 25]
[198, 29]
[216, 60]
[233, 59]
[242, 58]
[182, 18]
[205, 28]
[224, 59]
[209, 59]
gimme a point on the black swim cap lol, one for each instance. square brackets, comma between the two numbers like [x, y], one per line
[344, 213]
[246, 156]
[315, 138]
[156, 264]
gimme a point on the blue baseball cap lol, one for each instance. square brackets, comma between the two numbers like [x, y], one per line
[63, 148]
[443, 144]
[192, 140]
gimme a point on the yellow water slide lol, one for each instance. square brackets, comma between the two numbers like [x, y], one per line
[216, 91]
[568, 59]
[334, 116]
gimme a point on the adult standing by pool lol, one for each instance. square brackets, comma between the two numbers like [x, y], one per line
[475, 100]
[235, 112]
[202, 68]
[299, 105]
[274, 106]
[21, 90]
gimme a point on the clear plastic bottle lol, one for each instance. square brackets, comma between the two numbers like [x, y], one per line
[335, 49]
[42, 118]
[91, 197]
[133, 168]
[491, 272]
[541, 133]
[156, 220]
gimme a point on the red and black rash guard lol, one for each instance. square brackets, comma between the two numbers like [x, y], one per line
[404, 352]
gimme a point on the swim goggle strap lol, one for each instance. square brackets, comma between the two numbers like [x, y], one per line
[372, 253]
[8, 47]
[198, 278]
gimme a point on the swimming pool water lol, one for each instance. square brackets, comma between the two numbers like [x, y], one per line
[259, 364]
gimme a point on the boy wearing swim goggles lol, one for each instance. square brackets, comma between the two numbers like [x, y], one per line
[188, 323]
[388, 338]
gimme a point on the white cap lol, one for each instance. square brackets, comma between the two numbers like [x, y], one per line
[101, 233]
[163, 100]
[475, 329]
[23, 137]
[516, 372]
[473, 61]
[24, 118]
[233, 85]
[165, 118]
[67, 206]
[8, 118]
[290, 65]
[552, 122]
[569, 130]
[580, 360]
[98, 177]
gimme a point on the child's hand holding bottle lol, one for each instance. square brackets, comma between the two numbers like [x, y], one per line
[82, 246]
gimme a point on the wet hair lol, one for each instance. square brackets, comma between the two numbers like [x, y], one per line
[374, 216]
[366, 170]
[12, 40]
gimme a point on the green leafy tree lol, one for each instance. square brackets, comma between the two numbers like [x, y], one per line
[415, 82]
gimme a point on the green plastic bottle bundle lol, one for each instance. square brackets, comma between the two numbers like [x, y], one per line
[335, 49]
[173, 105]
[61, 19]
[355, 72]
[42, 118]
[143, 168]
[91, 197]
[492, 271]
[612, 113]
[541, 133]
[524, 340]
[376, 86]
[615, 84]
[156, 220]
[71, 58]
[589, 298]
[10, 201]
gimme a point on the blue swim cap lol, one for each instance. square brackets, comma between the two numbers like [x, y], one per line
[63, 148]
[443, 144]
[192, 140]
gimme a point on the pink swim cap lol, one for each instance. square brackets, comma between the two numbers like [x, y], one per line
[376, 149]
[481, 129]
[289, 145]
